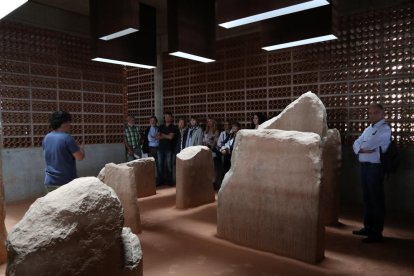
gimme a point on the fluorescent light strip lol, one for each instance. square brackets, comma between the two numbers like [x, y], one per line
[119, 34]
[300, 42]
[7, 6]
[123, 63]
[193, 57]
[270, 14]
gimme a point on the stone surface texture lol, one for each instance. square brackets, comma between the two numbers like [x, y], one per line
[332, 162]
[307, 114]
[144, 169]
[270, 198]
[121, 178]
[74, 230]
[194, 177]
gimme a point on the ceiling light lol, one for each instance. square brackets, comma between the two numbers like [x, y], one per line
[273, 13]
[7, 6]
[119, 34]
[305, 27]
[113, 19]
[192, 29]
[106, 60]
[193, 57]
[137, 49]
[300, 42]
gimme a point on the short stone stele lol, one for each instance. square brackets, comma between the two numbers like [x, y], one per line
[121, 178]
[195, 176]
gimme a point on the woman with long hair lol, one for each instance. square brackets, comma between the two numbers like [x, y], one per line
[258, 118]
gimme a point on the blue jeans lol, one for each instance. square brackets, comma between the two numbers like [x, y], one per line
[164, 161]
[372, 180]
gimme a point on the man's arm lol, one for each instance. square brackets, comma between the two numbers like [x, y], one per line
[382, 136]
[80, 155]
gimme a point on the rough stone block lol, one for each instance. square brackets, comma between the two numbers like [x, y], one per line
[270, 198]
[307, 114]
[332, 161]
[121, 178]
[74, 230]
[195, 176]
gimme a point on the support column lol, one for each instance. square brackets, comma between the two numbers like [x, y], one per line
[158, 86]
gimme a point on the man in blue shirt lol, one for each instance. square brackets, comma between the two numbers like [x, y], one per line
[60, 151]
[368, 147]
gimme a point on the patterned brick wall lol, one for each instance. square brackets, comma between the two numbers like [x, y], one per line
[44, 71]
[372, 61]
[140, 94]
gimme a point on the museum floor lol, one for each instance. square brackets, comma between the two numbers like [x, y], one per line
[177, 242]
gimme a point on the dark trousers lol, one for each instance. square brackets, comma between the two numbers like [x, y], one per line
[372, 180]
[164, 161]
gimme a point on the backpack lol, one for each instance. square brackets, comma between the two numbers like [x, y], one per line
[390, 160]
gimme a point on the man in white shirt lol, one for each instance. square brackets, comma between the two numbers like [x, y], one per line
[374, 140]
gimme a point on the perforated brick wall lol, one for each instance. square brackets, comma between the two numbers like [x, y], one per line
[372, 61]
[43, 71]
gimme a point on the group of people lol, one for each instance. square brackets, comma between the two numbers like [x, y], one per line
[164, 142]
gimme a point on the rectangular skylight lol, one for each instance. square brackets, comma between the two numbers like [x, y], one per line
[123, 63]
[193, 57]
[300, 42]
[7, 6]
[274, 13]
[119, 34]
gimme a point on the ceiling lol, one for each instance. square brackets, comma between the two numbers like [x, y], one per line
[82, 6]
[72, 16]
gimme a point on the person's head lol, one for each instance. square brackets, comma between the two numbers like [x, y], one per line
[258, 118]
[193, 122]
[376, 112]
[60, 120]
[211, 126]
[168, 118]
[181, 123]
[235, 128]
[226, 126]
[153, 121]
[130, 120]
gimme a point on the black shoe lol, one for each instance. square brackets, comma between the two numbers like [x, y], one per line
[372, 239]
[361, 232]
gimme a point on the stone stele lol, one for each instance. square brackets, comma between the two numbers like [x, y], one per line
[307, 114]
[74, 230]
[144, 169]
[332, 162]
[270, 198]
[194, 177]
[121, 178]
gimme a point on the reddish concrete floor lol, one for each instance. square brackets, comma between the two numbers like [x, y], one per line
[177, 242]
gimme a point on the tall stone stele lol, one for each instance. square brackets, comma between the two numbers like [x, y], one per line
[194, 177]
[308, 114]
[270, 198]
[74, 230]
